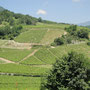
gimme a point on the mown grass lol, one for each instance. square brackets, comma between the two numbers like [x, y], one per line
[19, 83]
[14, 54]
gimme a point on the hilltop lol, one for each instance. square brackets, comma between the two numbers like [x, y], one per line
[10, 18]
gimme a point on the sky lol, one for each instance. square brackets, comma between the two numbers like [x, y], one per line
[65, 11]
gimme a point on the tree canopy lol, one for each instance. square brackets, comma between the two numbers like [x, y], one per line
[68, 73]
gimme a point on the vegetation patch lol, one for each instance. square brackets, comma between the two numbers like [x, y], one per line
[14, 54]
[31, 36]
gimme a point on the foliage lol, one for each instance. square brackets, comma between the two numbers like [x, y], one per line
[88, 43]
[59, 41]
[40, 19]
[68, 73]
[64, 39]
[15, 19]
[83, 33]
[7, 32]
[73, 35]
[72, 29]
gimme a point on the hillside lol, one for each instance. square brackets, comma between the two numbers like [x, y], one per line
[10, 18]
[29, 47]
[29, 57]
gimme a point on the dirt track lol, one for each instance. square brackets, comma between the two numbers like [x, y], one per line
[31, 54]
[6, 61]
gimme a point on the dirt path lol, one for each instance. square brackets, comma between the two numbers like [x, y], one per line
[31, 54]
[5, 61]
[65, 33]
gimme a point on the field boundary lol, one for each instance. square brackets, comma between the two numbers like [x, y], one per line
[31, 54]
[6, 60]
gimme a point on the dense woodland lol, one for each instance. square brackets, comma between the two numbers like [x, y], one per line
[7, 17]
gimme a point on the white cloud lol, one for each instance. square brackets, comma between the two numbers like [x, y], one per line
[76, 0]
[40, 11]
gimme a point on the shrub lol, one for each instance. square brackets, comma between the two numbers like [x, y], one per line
[83, 33]
[53, 44]
[88, 43]
[59, 41]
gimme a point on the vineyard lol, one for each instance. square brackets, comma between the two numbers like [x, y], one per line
[30, 56]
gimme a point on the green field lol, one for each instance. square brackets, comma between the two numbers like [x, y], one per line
[23, 69]
[39, 33]
[14, 54]
[33, 60]
[31, 36]
[19, 83]
[35, 63]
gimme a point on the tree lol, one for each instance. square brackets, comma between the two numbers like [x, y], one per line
[83, 33]
[40, 19]
[68, 73]
[59, 41]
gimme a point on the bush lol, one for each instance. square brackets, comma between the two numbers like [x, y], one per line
[59, 41]
[88, 43]
[69, 40]
[68, 73]
[71, 29]
[83, 33]
[6, 32]
[53, 44]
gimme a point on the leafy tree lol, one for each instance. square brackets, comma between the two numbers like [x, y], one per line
[40, 19]
[11, 21]
[12, 18]
[7, 32]
[68, 73]
[83, 33]
[72, 29]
